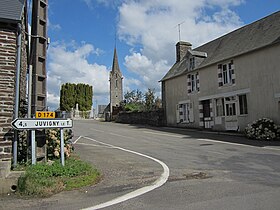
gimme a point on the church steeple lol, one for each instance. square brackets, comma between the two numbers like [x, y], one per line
[116, 86]
[115, 66]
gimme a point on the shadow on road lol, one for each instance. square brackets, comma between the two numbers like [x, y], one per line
[231, 137]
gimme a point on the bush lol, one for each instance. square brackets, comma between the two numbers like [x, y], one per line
[263, 129]
[53, 143]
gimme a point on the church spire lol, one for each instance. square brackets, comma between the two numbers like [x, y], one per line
[115, 67]
[116, 86]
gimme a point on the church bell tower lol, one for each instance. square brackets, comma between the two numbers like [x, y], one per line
[116, 86]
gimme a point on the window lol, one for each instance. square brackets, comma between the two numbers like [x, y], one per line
[243, 104]
[230, 109]
[192, 63]
[185, 113]
[226, 74]
[116, 85]
[220, 103]
[193, 82]
[206, 108]
[230, 106]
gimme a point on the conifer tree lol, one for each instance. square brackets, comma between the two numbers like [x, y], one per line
[72, 94]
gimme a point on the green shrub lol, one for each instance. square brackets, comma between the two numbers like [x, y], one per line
[263, 129]
[53, 143]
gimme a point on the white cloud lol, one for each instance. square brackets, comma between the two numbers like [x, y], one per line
[148, 71]
[153, 25]
[151, 29]
[52, 26]
[111, 3]
[68, 63]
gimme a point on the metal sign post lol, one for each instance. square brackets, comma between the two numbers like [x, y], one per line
[33, 148]
[33, 124]
[62, 147]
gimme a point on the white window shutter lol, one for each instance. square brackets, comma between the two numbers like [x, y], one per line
[177, 113]
[191, 115]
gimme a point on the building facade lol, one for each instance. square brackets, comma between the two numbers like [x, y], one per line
[227, 83]
[13, 57]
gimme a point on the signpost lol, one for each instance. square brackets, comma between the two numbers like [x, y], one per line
[45, 115]
[27, 124]
[36, 124]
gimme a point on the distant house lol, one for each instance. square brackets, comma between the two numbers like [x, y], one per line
[13, 56]
[101, 110]
[228, 82]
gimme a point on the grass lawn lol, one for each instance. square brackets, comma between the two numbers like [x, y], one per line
[47, 179]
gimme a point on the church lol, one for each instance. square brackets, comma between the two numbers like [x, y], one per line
[116, 87]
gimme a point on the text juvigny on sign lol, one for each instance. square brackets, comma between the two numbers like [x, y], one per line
[27, 123]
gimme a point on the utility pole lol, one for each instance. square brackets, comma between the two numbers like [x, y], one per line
[39, 43]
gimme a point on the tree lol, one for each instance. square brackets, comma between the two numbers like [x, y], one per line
[67, 97]
[135, 100]
[72, 94]
[150, 99]
[134, 96]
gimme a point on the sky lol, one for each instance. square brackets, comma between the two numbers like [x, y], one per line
[84, 33]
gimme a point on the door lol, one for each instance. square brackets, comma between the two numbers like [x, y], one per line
[231, 113]
[206, 113]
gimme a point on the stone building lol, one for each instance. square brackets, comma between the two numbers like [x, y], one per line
[13, 59]
[226, 83]
[116, 86]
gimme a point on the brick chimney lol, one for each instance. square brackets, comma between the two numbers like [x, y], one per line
[181, 50]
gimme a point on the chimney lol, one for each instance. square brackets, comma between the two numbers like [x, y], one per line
[181, 50]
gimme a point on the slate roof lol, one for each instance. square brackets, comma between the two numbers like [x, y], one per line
[254, 36]
[11, 10]
[115, 67]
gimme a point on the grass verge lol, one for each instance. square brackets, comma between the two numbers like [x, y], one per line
[44, 180]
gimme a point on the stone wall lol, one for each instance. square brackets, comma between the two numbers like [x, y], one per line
[153, 118]
[8, 59]
[7, 90]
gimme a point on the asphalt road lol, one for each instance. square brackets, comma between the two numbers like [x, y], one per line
[173, 168]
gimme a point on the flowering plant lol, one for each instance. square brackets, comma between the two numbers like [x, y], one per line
[53, 143]
[263, 129]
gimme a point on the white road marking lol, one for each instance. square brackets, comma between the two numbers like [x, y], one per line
[77, 140]
[165, 134]
[101, 131]
[271, 148]
[93, 145]
[158, 183]
[114, 134]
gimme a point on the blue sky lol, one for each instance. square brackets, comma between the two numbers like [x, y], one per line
[83, 35]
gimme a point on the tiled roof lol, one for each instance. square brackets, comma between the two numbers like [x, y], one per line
[259, 34]
[11, 10]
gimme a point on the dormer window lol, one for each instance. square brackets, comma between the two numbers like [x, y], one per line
[192, 63]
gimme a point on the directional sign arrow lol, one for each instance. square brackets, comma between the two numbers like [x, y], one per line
[31, 123]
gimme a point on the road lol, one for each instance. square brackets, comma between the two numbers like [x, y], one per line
[204, 170]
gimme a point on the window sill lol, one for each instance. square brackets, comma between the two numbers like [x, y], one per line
[194, 92]
[243, 115]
